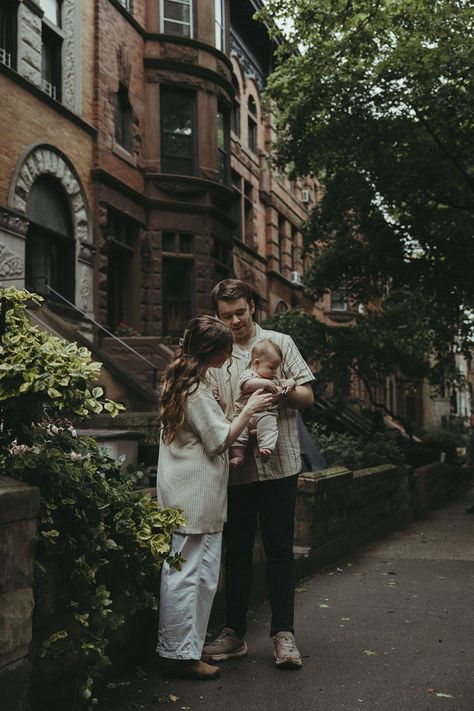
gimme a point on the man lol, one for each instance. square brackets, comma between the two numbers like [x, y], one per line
[257, 489]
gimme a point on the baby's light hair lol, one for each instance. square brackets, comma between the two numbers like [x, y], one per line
[263, 348]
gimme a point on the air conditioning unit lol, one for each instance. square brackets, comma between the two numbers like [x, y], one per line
[305, 196]
[48, 88]
[5, 57]
[296, 278]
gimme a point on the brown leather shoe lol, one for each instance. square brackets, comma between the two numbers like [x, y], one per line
[189, 669]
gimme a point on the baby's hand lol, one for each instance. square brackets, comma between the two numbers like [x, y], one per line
[271, 387]
[287, 386]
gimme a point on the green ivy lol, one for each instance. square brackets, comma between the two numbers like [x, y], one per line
[353, 451]
[101, 541]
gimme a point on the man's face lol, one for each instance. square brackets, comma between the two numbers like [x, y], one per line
[238, 316]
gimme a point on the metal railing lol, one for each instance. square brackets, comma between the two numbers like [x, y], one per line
[100, 327]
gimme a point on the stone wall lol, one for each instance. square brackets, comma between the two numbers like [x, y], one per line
[19, 505]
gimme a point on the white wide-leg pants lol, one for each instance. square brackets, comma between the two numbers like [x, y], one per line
[186, 595]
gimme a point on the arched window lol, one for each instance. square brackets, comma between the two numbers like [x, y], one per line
[281, 307]
[252, 124]
[50, 246]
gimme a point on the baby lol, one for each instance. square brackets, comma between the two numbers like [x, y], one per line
[265, 360]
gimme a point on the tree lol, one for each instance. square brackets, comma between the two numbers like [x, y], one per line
[375, 99]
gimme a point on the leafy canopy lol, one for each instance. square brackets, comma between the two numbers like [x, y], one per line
[375, 99]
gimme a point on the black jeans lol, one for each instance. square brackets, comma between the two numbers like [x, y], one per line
[273, 502]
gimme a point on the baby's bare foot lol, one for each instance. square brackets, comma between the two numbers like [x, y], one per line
[265, 455]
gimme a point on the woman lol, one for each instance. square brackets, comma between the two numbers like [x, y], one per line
[192, 475]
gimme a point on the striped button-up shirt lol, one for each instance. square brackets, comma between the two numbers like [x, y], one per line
[286, 459]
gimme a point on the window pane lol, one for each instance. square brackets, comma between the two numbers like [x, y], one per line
[52, 11]
[177, 140]
[177, 296]
[186, 244]
[176, 11]
[169, 242]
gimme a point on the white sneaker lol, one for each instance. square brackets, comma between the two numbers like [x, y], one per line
[286, 652]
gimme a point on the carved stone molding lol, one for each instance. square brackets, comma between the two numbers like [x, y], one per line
[46, 160]
[124, 65]
[11, 264]
[11, 222]
[249, 68]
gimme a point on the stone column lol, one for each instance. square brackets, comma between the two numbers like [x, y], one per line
[19, 505]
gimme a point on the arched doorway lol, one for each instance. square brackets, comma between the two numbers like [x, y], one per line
[50, 245]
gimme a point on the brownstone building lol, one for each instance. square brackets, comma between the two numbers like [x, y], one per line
[135, 172]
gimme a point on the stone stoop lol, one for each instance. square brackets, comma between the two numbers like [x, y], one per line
[151, 348]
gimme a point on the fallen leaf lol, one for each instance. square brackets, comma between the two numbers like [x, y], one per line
[444, 696]
[300, 589]
[368, 653]
[173, 698]
[323, 605]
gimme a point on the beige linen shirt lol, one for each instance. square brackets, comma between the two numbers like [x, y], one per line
[193, 470]
[286, 459]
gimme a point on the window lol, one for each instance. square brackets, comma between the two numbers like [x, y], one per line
[123, 118]
[281, 307]
[52, 11]
[50, 246]
[235, 113]
[8, 33]
[252, 124]
[121, 234]
[177, 131]
[51, 62]
[243, 210]
[219, 14]
[178, 281]
[177, 17]
[223, 146]
[222, 257]
[338, 300]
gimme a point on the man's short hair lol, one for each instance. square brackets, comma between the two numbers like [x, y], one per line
[230, 290]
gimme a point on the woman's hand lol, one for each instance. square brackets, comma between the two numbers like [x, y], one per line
[258, 401]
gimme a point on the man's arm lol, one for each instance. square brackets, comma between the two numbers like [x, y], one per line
[300, 397]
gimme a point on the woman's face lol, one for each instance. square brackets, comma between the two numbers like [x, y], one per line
[219, 358]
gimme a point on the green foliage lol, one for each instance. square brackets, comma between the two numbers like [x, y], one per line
[355, 452]
[41, 376]
[101, 543]
[376, 100]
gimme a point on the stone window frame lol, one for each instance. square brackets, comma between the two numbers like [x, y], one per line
[52, 39]
[45, 159]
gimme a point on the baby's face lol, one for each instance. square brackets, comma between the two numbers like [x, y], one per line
[267, 365]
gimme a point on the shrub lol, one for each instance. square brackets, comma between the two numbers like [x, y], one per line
[355, 452]
[101, 543]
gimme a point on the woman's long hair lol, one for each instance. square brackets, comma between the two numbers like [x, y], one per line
[204, 338]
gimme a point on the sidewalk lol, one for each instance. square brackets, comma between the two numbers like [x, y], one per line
[390, 629]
